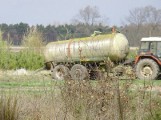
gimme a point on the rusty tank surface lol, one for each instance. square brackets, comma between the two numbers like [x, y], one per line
[95, 48]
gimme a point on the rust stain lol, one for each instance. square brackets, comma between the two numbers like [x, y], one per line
[68, 49]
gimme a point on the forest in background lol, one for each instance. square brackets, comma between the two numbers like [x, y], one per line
[141, 22]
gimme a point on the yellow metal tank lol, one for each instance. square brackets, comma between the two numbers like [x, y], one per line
[95, 48]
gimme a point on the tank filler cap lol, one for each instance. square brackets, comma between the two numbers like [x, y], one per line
[96, 33]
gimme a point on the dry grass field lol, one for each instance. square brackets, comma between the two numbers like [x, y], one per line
[38, 97]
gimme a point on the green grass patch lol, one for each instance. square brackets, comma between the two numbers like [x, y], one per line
[25, 84]
[146, 82]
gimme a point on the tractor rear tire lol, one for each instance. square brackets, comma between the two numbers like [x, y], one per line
[147, 69]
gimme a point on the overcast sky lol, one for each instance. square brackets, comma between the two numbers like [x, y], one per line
[62, 11]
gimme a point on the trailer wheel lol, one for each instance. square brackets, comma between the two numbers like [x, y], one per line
[147, 69]
[79, 72]
[60, 72]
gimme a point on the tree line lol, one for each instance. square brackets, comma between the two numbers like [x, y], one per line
[14, 33]
[141, 22]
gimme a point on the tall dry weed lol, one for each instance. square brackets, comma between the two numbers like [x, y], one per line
[106, 99]
[9, 109]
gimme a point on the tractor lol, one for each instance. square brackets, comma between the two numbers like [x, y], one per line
[148, 60]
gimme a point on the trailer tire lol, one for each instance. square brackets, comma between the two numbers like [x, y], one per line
[79, 72]
[147, 69]
[60, 72]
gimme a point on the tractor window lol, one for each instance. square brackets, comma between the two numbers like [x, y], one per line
[144, 46]
[159, 49]
[153, 47]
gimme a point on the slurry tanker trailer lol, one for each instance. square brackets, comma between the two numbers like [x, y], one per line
[84, 58]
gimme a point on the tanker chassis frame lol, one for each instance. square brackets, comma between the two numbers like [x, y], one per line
[83, 70]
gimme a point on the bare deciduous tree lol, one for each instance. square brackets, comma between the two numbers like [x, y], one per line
[153, 16]
[153, 19]
[143, 22]
[88, 15]
[145, 15]
[136, 17]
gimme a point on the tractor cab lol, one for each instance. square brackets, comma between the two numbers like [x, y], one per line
[151, 45]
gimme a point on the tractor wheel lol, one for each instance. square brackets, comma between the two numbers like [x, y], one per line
[147, 69]
[79, 72]
[60, 72]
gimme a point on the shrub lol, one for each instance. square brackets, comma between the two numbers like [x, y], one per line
[33, 41]
[31, 57]
[29, 60]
